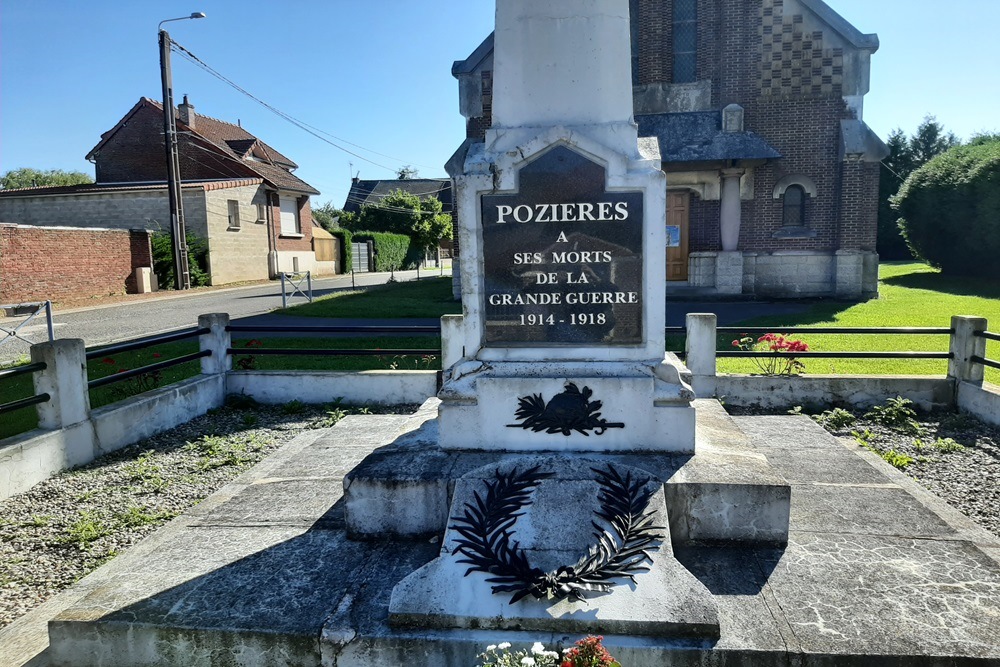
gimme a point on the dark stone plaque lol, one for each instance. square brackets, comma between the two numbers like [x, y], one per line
[563, 257]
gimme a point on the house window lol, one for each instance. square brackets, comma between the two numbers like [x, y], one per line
[289, 216]
[793, 207]
[685, 40]
[234, 214]
[261, 213]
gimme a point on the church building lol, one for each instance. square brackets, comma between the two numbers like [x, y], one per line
[757, 109]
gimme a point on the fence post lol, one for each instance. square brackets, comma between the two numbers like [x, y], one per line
[700, 348]
[964, 345]
[64, 380]
[218, 341]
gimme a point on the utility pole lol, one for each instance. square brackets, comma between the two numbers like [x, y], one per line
[178, 234]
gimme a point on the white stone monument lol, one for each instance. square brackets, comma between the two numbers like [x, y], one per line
[562, 228]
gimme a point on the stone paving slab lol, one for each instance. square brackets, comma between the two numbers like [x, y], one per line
[875, 573]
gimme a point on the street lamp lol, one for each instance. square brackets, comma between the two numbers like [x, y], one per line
[182, 274]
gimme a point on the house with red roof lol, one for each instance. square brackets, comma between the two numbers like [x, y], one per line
[239, 194]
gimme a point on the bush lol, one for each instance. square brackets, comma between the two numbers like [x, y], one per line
[393, 252]
[163, 260]
[950, 210]
[346, 252]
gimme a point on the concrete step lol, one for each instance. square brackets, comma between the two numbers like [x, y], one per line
[264, 573]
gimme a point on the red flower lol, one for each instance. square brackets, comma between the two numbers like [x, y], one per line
[157, 355]
[736, 343]
[253, 342]
[108, 360]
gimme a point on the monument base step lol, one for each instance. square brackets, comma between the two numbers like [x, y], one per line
[726, 491]
[262, 573]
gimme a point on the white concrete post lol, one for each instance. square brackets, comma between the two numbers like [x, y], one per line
[64, 380]
[218, 341]
[731, 214]
[452, 340]
[964, 345]
[700, 349]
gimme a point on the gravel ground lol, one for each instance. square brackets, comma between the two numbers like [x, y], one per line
[64, 527]
[952, 454]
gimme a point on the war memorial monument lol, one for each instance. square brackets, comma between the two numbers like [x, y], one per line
[565, 481]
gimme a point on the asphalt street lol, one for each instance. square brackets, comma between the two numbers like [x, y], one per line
[101, 325]
[112, 323]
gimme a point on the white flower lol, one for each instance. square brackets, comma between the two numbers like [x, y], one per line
[527, 662]
[538, 648]
[550, 654]
[503, 646]
[491, 647]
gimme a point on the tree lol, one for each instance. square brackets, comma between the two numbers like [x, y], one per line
[406, 173]
[33, 178]
[905, 155]
[400, 212]
[930, 140]
[893, 173]
[332, 218]
[950, 210]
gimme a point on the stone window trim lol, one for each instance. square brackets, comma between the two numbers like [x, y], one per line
[801, 180]
[794, 214]
[261, 214]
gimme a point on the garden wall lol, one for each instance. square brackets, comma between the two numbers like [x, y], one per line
[59, 263]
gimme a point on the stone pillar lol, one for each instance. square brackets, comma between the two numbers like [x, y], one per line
[731, 209]
[64, 380]
[700, 349]
[964, 346]
[218, 341]
[729, 273]
[849, 272]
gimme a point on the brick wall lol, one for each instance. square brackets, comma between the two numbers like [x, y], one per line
[38, 263]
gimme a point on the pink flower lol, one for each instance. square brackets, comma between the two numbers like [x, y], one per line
[108, 360]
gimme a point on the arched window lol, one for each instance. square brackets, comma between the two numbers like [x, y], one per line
[793, 204]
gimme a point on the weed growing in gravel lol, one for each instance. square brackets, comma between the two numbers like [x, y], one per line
[947, 445]
[136, 516]
[249, 420]
[241, 402]
[295, 407]
[40, 520]
[897, 414]
[87, 528]
[217, 451]
[897, 459]
[835, 419]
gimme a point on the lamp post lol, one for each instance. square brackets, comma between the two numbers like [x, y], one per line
[182, 274]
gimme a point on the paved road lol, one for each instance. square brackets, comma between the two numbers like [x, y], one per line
[118, 322]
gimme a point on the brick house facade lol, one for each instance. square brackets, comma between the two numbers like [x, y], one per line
[772, 174]
[239, 194]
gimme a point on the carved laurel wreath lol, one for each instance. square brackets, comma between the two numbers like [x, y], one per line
[621, 552]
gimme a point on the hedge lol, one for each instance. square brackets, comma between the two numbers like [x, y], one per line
[393, 252]
[950, 210]
[346, 252]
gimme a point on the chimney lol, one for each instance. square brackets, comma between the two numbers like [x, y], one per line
[185, 113]
[355, 179]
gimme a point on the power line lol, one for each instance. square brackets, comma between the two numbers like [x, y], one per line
[183, 52]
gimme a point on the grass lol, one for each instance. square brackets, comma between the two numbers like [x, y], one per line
[102, 366]
[910, 295]
[422, 298]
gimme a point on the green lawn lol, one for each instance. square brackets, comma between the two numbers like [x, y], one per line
[21, 386]
[910, 295]
[422, 298]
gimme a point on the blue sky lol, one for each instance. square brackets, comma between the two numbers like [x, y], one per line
[378, 74]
